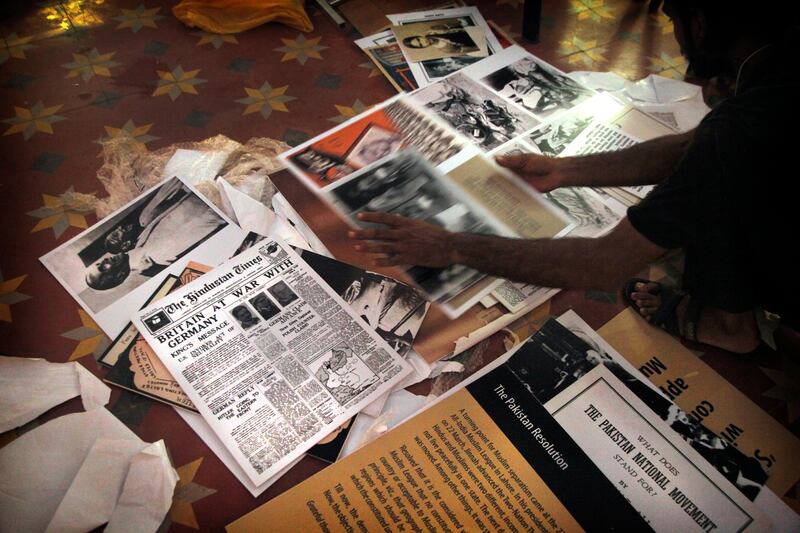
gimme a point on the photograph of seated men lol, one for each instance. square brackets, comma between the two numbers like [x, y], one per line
[131, 247]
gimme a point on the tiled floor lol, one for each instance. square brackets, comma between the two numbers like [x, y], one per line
[73, 73]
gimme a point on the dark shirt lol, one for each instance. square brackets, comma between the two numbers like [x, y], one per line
[732, 202]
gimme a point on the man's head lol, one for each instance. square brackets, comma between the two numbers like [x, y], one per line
[419, 41]
[711, 32]
[262, 304]
[243, 315]
[108, 271]
[121, 239]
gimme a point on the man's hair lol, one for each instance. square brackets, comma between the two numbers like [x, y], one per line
[114, 242]
[407, 41]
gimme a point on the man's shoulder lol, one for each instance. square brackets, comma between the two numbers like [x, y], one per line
[763, 108]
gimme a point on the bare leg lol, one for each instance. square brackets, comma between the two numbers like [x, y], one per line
[735, 332]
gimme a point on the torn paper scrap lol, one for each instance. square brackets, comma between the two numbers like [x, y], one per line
[147, 494]
[658, 89]
[30, 387]
[39, 467]
[400, 405]
[599, 81]
[105, 467]
[250, 214]
[443, 367]
[194, 166]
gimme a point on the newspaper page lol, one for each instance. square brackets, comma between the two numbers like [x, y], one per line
[600, 137]
[272, 357]
[664, 477]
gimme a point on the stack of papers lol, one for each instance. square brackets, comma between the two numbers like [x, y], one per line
[424, 46]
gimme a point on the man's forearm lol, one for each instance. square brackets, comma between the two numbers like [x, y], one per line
[646, 163]
[577, 263]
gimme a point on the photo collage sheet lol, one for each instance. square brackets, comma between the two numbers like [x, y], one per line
[447, 133]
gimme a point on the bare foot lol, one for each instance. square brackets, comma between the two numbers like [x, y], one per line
[648, 301]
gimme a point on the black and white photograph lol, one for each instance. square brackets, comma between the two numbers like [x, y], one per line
[156, 321]
[393, 309]
[439, 68]
[482, 116]
[138, 243]
[552, 138]
[591, 215]
[282, 293]
[406, 185]
[274, 252]
[469, 18]
[557, 356]
[552, 360]
[244, 316]
[264, 306]
[421, 132]
[536, 87]
[422, 41]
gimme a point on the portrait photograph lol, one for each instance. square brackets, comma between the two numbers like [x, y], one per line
[282, 293]
[421, 41]
[264, 306]
[374, 144]
[244, 316]
[468, 19]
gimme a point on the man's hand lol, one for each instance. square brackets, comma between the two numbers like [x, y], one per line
[405, 241]
[541, 172]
